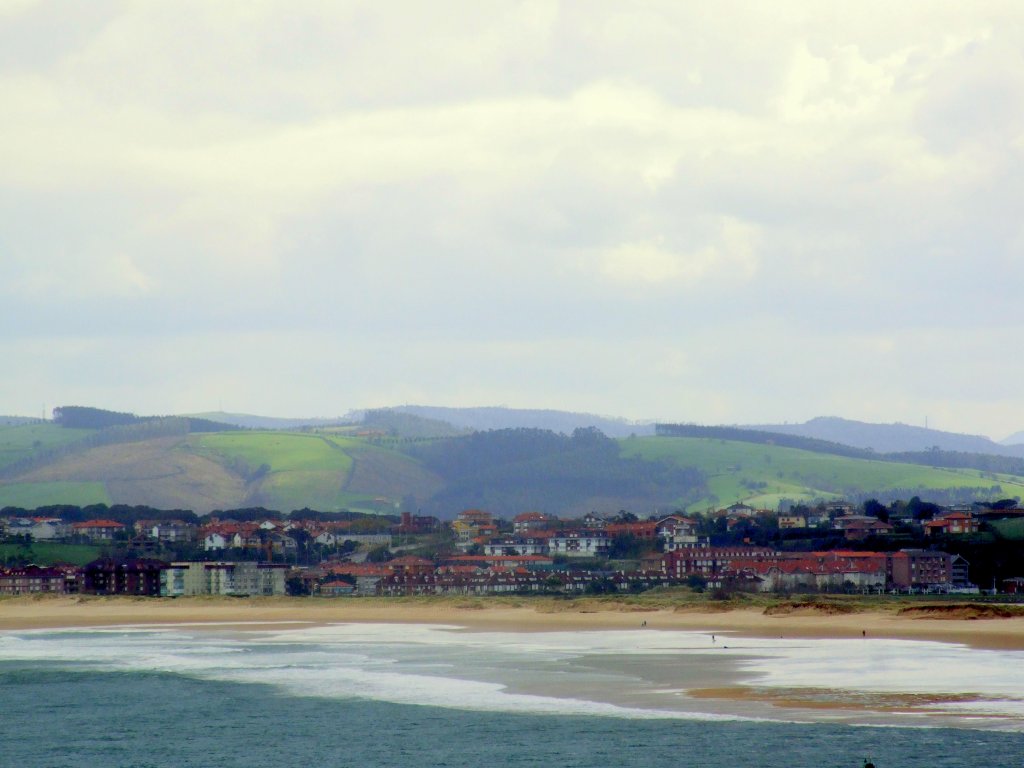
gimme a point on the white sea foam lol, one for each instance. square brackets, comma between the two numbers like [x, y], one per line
[543, 672]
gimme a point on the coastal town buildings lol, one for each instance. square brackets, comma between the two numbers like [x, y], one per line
[586, 542]
[98, 530]
[478, 553]
[34, 579]
[237, 579]
[130, 576]
[952, 524]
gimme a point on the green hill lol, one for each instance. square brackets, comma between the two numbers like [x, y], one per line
[762, 474]
[506, 470]
[20, 441]
[203, 472]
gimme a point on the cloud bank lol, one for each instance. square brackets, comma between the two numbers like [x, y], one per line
[714, 214]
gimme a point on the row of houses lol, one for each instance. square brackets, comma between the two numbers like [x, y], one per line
[147, 577]
[276, 537]
[766, 570]
[518, 581]
[55, 529]
[535, 533]
[842, 516]
[742, 567]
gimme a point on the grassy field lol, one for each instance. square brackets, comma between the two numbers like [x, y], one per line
[278, 470]
[32, 495]
[19, 442]
[761, 475]
[309, 468]
[45, 553]
[1010, 529]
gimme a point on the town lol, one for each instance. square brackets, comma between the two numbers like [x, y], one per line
[835, 547]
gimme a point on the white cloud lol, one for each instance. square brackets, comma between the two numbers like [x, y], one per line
[731, 256]
[111, 277]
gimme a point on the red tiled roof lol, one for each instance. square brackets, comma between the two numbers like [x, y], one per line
[410, 560]
[360, 569]
[528, 516]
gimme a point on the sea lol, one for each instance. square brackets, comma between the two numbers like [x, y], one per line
[367, 695]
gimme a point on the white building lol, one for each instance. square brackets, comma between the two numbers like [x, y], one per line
[517, 545]
[678, 532]
[584, 543]
[48, 530]
[233, 579]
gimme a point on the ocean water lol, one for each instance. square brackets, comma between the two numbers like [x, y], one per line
[392, 695]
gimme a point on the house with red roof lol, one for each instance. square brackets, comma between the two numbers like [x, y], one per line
[817, 571]
[708, 562]
[410, 564]
[645, 531]
[530, 521]
[97, 530]
[858, 530]
[952, 524]
[337, 588]
[473, 526]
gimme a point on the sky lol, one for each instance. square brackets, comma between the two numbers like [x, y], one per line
[705, 212]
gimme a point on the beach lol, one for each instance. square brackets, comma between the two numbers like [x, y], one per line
[942, 623]
[784, 662]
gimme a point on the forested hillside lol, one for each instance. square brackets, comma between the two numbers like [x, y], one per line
[511, 470]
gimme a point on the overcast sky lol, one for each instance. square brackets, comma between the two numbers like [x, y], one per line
[710, 212]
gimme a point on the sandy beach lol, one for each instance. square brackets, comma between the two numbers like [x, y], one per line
[538, 615]
[763, 663]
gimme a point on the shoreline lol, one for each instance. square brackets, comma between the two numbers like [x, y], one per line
[55, 612]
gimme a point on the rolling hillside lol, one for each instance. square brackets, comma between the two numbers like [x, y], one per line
[20, 441]
[761, 475]
[224, 470]
[331, 469]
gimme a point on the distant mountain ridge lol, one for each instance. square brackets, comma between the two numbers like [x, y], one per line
[498, 417]
[253, 421]
[1017, 438]
[890, 438]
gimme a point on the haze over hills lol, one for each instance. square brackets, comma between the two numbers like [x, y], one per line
[10, 421]
[480, 418]
[252, 421]
[891, 438]
[445, 421]
[500, 417]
